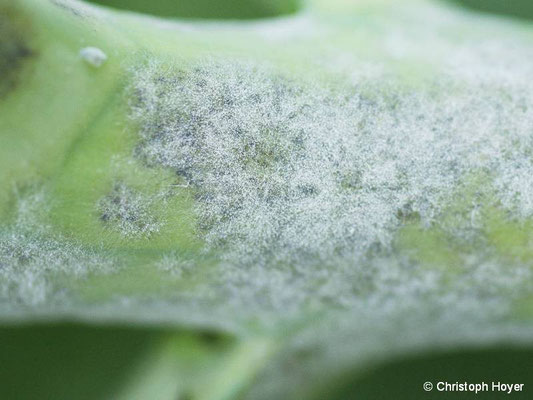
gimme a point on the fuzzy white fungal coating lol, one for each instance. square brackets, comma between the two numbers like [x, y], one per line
[285, 172]
[32, 258]
[303, 189]
[128, 211]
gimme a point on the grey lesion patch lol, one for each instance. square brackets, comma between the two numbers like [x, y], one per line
[15, 51]
[127, 211]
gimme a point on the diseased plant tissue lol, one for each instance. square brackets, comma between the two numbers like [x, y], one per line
[305, 189]
[390, 212]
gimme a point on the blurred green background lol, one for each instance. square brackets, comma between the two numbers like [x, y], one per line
[516, 8]
[247, 9]
[227, 9]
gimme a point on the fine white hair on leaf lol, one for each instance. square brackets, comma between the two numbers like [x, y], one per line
[301, 187]
[127, 211]
[30, 263]
[32, 257]
[93, 56]
[177, 264]
[283, 171]
[303, 190]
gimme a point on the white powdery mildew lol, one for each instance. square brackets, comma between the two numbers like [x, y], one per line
[282, 172]
[301, 185]
[29, 263]
[285, 172]
[31, 258]
[304, 189]
[502, 67]
[176, 264]
[128, 211]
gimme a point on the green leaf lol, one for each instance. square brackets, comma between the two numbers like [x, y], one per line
[292, 207]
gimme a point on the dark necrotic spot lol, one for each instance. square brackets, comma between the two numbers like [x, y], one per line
[14, 49]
